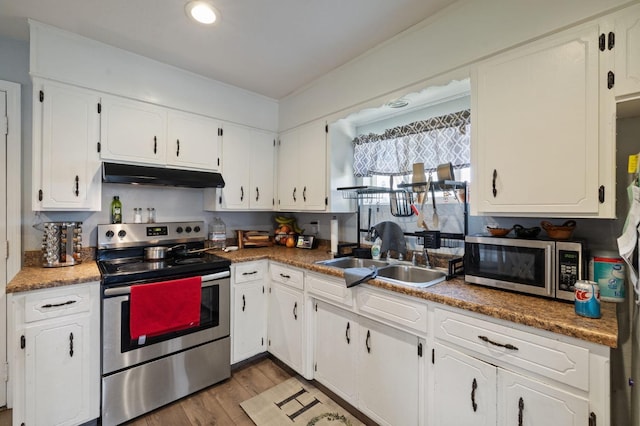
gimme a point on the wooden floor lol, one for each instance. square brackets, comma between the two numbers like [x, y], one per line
[219, 404]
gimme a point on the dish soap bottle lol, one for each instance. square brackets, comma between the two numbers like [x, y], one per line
[116, 210]
[375, 249]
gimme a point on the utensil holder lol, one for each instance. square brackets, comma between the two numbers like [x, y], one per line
[400, 203]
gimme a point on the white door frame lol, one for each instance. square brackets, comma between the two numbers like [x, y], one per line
[12, 196]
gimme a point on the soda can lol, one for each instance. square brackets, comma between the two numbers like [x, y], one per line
[587, 299]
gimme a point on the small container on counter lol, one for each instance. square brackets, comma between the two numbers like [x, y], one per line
[608, 270]
[587, 299]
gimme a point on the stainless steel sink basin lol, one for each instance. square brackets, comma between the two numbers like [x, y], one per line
[352, 262]
[414, 276]
[404, 274]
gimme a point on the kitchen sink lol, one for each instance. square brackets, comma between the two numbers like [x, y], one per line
[405, 274]
[411, 275]
[352, 262]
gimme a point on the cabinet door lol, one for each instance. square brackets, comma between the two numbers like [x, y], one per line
[522, 401]
[133, 131]
[313, 163]
[536, 127]
[193, 141]
[627, 52]
[464, 390]
[262, 189]
[67, 171]
[289, 192]
[236, 163]
[57, 387]
[388, 374]
[335, 360]
[286, 311]
[250, 319]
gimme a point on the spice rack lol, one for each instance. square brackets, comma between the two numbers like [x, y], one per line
[433, 239]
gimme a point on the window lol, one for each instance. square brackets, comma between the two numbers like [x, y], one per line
[438, 140]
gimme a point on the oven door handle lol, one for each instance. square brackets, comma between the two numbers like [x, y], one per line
[207, 281]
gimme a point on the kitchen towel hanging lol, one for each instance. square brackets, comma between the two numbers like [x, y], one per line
[164, 307]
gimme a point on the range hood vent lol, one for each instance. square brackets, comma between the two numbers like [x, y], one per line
[143, 175]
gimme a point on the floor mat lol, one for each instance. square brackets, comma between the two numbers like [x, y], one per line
[296, 403]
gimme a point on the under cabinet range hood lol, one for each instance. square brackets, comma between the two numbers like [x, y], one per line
[147, 175]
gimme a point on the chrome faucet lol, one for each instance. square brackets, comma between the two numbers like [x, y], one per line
[427, 262]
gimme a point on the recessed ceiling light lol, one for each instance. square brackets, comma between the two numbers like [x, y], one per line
[202, 11]
[398, 103]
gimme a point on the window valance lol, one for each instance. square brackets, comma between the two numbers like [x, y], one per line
[434, 141]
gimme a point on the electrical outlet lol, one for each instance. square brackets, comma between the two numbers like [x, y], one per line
[312, 228]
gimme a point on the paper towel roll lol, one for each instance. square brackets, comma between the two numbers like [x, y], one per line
[334, 235]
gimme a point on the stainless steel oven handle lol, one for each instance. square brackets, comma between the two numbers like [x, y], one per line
[216, 276]
[207, 281]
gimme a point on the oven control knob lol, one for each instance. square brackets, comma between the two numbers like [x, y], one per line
[196, 229]
[188, 229]
[179, 229]
[122, 233]
[109, 233]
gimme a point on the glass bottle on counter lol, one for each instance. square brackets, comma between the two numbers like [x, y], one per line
[116, 210]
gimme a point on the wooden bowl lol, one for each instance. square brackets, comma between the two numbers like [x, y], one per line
[498, 232]
[559, 232]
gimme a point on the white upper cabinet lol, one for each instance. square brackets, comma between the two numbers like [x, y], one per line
[248, 163]
[302, 168]
[193, 141]
[142, 133]
[626, 45]
[66, 133]
[133, 131]
[543, 141]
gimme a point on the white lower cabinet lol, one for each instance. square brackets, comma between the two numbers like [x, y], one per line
[490, 372]
[375, 367]
[249, 313]
[336, 350]
[55, 360]
[464, 391]
[470, 391]
[286, 316]
[524, 401]
[388, 374]
[372, 366]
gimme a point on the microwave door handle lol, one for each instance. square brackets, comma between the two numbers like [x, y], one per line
[550, 272]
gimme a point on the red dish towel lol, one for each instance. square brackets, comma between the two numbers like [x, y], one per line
[163, 307]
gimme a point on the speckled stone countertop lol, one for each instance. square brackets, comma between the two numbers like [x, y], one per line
[37, 277]
[557, 317]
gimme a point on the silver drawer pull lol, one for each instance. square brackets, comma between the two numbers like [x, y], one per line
[55, 305]
[506, 346]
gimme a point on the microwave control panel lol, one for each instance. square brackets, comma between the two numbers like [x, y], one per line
[569, 269]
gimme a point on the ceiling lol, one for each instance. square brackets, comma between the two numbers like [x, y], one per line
[271, 47]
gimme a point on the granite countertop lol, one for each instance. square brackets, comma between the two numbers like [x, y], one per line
[554, 316]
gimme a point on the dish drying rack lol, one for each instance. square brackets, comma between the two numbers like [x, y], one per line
[400, 205]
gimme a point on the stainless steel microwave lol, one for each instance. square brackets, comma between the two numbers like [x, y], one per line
[539, 267]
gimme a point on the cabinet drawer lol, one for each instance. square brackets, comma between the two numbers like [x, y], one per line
[405, 312]
[56, 303]
[287, 276]
[556, 360]
[251, 271]
[330, 288]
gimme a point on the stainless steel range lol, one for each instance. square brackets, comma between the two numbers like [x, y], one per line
[145, 372]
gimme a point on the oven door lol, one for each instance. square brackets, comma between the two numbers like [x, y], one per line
[511, 264]
[120, 351]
